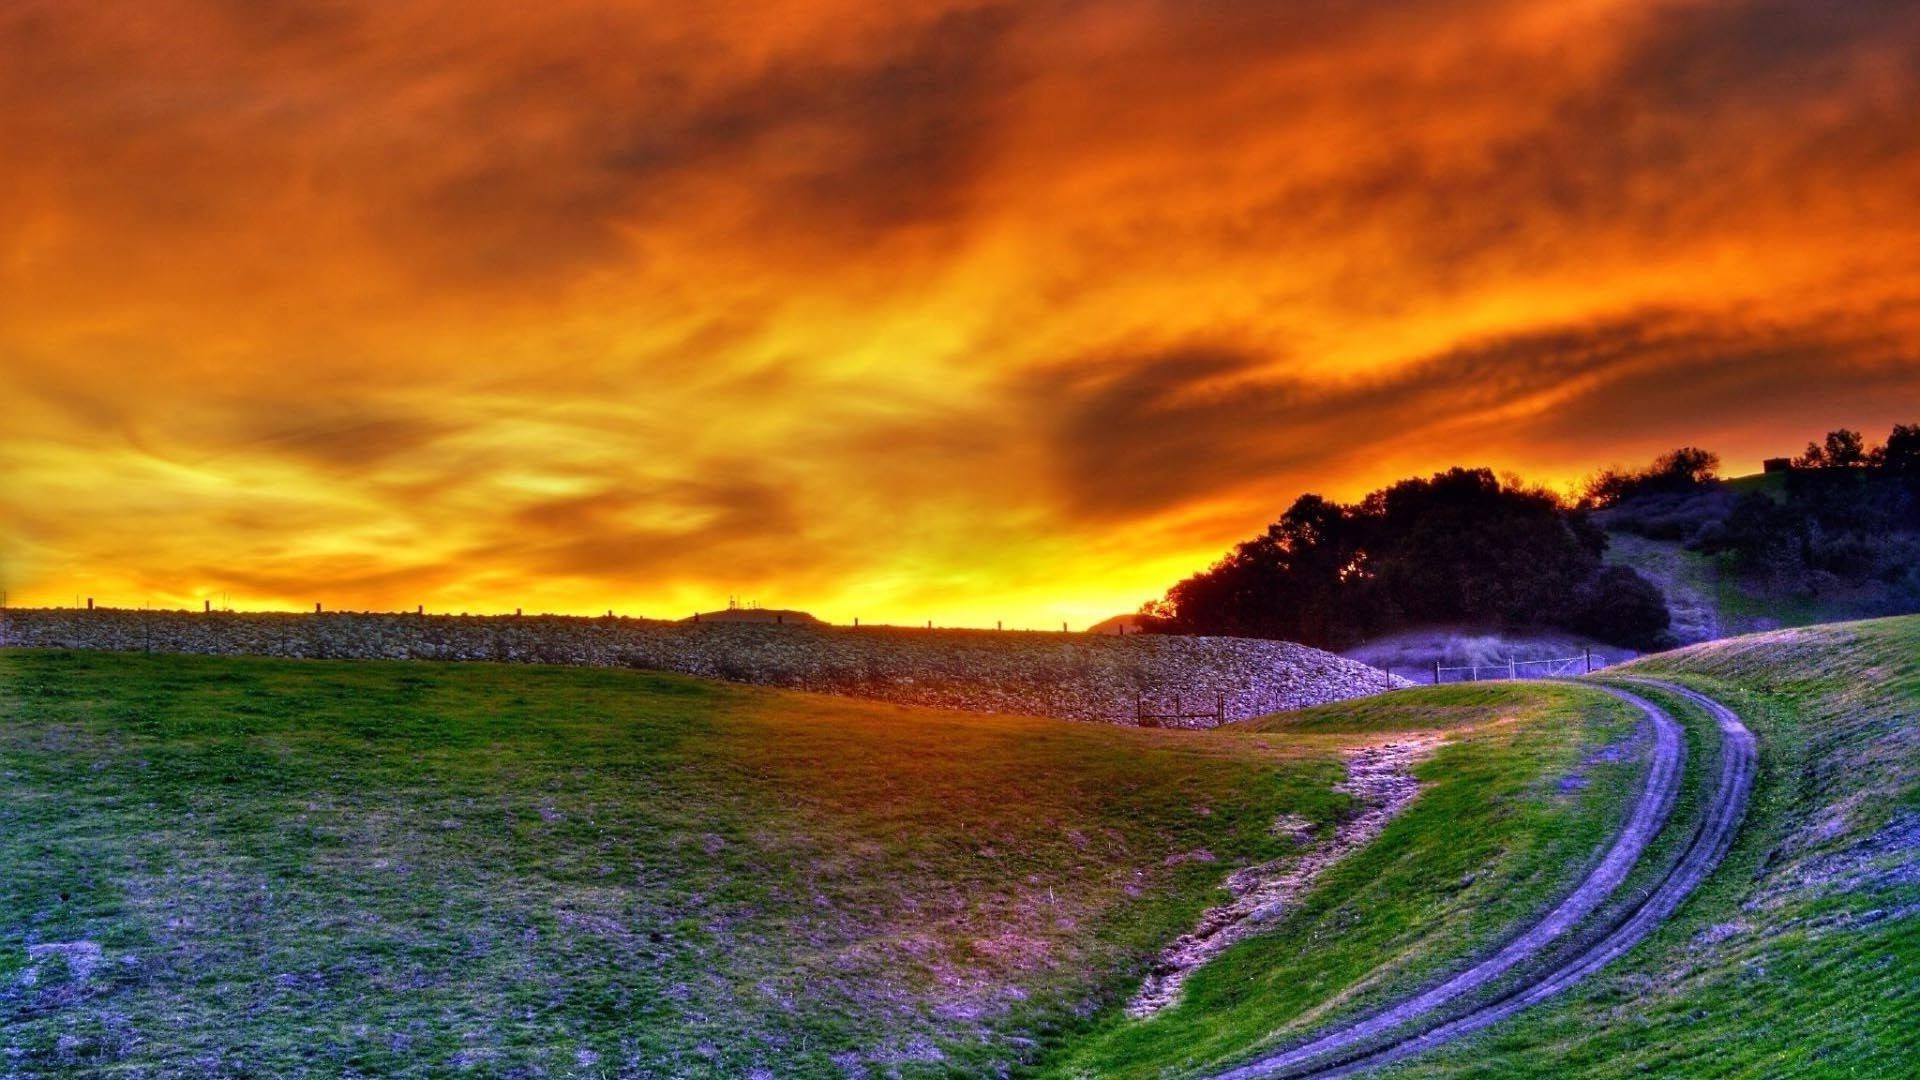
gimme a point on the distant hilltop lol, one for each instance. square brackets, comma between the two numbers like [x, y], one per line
[740, 613]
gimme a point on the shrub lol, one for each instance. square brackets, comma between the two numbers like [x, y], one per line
[1619, 606]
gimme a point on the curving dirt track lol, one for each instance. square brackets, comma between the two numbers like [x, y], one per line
[1456, 1007]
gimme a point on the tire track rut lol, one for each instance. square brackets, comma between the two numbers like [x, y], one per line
[1456, 1006]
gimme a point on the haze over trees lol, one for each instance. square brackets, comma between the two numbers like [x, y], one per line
[1461, 546]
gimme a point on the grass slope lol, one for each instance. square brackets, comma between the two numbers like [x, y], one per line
[1801, 956]
[298, 868]
[1532, 783]
[1707, 600]
[381, 868]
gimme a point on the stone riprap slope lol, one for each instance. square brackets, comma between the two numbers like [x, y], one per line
[1071, 676]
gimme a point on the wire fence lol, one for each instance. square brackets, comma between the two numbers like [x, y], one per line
[1560, 667]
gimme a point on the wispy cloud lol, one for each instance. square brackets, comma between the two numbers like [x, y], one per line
[956, 310]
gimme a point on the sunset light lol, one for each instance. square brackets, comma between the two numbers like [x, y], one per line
[962, 312]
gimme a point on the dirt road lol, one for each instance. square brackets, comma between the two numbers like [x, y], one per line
[1568, 944]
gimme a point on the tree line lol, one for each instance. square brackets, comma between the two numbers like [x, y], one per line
[1461, 546]
[1466, 546]
[1844, 519]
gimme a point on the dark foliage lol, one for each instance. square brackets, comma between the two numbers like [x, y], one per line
[1846, 518]
[1457, 547]
[1620, 606]
[1676, 474]
[1843, 449]
[1901, 455]
[1680, 517]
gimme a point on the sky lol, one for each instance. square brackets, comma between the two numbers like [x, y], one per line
[952, 311]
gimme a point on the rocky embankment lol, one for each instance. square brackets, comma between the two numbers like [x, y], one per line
[1072, 676]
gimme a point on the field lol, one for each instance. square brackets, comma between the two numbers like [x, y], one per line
[227, 866]
[242, 865]
[298, 867]
[1800, 956]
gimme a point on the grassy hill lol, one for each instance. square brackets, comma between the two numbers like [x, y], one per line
[1801, 956]
[1516, 805]
[244, 866]
[1838, 556]
[1707, 601]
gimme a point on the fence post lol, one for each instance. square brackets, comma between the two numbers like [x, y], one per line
[1220, 708]
[1512, 672]
[1589, 657]
[1473, 672]
[1436, 673]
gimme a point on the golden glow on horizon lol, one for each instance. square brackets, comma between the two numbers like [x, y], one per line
[955, 311]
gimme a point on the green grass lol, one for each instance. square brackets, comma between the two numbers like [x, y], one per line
[1801, 956]
[377, 869]
[308, 868]
[1515, 807]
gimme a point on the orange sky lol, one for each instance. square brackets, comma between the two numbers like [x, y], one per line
[955, 311]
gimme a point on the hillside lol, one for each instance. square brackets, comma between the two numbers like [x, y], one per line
[1070, 676]
[1798, 956]
[1802, 956]
[274, 867]
[1708, 602]
[1811, 544]
[260, 865]
[1528, 780]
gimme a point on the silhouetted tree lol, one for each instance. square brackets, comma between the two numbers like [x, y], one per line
[1460, 546]
[1685, 470]
[1901, 454]
[1843, 449]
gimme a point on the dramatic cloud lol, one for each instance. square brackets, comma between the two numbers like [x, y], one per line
[961, 310]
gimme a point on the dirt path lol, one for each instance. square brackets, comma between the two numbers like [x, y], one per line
[1434, 1016]
[1380, 778]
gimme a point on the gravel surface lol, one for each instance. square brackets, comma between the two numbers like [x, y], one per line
[1071, 676]
[1380, 778]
